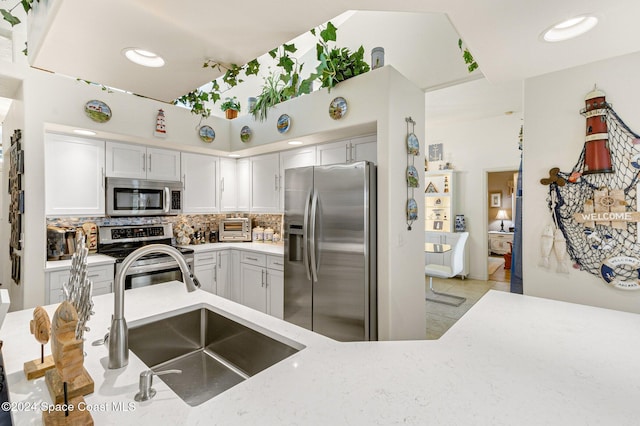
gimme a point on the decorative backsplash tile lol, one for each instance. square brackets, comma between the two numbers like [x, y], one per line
[203, 222]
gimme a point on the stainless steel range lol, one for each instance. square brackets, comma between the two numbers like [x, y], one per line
[156, 268]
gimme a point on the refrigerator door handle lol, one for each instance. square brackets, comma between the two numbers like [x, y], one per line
[312, 238]
[305, 236]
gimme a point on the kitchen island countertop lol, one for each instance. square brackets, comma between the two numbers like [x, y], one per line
[510, 360]
[267, 248]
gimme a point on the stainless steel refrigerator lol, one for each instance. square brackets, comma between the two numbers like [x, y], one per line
[330, 250]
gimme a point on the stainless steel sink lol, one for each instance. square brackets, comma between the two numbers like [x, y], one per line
[214, 352]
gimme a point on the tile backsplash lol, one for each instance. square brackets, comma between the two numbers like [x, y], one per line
[201, 222]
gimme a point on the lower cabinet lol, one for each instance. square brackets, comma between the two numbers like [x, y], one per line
[101, 275]
[262, 282]
[205, 270]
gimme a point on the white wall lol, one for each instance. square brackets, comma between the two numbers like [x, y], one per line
[383, 97]
[554, 136]
[474, 146]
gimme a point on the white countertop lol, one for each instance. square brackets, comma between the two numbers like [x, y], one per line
[92, 260]
[267, 248]
[510, 360]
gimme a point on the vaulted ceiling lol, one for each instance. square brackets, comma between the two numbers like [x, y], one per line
[85, 38]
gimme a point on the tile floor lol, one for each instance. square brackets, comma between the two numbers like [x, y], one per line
[441, 317]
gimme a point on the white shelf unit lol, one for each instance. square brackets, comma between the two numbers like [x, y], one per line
[439, 206]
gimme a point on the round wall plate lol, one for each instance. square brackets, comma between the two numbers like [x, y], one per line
[284, 123]
[245, 134]
[338, 108]
[207, 134]
[98, 111]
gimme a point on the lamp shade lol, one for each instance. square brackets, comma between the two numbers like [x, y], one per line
[502, 215]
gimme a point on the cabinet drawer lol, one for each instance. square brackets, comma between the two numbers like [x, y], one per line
[275, 262]
[102, 287]
[95, 273]
[206, 258]
[253, 258]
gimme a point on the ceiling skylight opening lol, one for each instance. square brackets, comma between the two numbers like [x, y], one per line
[234, 155]
[569, 29]
[295, 142]
[143, 57]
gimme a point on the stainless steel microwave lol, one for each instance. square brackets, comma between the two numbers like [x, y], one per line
[140, 197]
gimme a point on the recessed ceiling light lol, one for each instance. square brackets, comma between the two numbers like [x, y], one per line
[234, 155]
[84, 132]
[143, 57]
[295, 142]
[570, 28]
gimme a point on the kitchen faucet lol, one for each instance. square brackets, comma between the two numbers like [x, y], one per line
[119, 334]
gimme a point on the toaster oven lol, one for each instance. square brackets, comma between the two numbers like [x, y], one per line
[235, 229]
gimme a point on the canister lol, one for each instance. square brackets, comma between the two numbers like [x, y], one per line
[258, 233]
[268, 234]
[377, 57]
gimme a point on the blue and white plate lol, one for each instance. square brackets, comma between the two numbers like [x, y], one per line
[338, 108]
[98, 111]
[413, 181]
[284, 123]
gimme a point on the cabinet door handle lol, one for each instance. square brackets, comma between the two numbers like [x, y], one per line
[346, 154]
[252, 258]
[277, 263]
[144, 162]
[222, 184]
[93, 275]
[276, 181]
[266, 282]
[184, 181]
[149, 162]
[262, 279]
[103, 178]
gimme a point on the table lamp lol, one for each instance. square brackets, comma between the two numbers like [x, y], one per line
[502, 215]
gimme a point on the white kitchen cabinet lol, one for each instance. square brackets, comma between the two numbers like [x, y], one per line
[228, 185]
[265, 183]
[200, 180]
[348, 151]
[141, 162]
[243, 184]
[262, 282]
[102, 277]
[74, 176]
[291, 159]
[205, 269]
[450, 238]
[227, 278]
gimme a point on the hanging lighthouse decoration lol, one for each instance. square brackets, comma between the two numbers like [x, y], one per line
[597, 158]
[161, 130]
[594, 207]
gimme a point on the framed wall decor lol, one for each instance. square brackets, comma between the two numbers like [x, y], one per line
[496, 199]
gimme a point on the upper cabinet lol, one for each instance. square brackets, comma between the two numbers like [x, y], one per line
[265, 183]
[200, 180]
[74, 176]
[228, 185]
[348, 151]
[243, 184]
[301, 157]
[140, 162]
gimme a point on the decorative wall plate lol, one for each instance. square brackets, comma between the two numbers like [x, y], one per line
[245, 134]
[284, 123]
[207, 134]
[98, 111]
[412, 209]
[413, 146]
[413, 181]
[338, 108]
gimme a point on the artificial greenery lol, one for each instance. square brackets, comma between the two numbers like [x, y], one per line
[27, 5]
[472, 65]
[272, 93]
[230, 103]
[336, 64]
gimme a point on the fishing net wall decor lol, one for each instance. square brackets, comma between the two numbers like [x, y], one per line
[607, 249]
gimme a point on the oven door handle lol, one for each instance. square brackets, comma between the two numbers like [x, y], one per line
[153, 267]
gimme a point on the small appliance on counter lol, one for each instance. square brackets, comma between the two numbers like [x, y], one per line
[235, 229]
[61, 242]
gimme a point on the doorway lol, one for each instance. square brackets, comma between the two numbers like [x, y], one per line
[501, 208]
